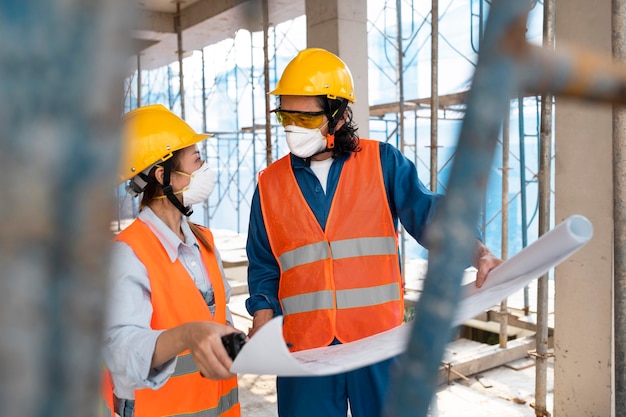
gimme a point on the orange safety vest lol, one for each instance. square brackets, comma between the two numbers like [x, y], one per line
[344, 281]
[176, 300]
[105, 402]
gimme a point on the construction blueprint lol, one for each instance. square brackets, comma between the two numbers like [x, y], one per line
[267, 354]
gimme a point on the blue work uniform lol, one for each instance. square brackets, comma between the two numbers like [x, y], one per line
[412, 204]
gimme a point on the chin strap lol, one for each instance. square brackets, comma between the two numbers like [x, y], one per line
[168, 191]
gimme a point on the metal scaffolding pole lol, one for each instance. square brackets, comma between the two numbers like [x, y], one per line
[504, 310]
[266, 80]
[179, 42]
[434, 94]
[401, 115]
[545, 176]
[523, 183]
[205, 151]
[253, 125]
[619, 216]
[138, 79]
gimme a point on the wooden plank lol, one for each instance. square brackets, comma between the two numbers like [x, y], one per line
[485, 358]
[445, 101]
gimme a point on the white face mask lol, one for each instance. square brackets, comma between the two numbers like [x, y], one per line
[200, 186]
[304, 142]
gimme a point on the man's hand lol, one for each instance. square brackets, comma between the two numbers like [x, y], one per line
[259, 319]
[484, 261]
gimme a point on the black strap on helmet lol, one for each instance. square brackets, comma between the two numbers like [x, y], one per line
[137, 184]
[168, 191]
[333, 119]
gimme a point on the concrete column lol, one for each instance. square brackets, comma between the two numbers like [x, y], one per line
[583, 169]
[340, 26]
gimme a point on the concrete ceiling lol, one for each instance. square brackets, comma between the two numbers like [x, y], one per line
[203, 22]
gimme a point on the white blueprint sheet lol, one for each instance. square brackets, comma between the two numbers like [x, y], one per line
[267, 354]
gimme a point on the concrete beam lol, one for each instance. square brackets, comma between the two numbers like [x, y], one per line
[203, 23]
[243, 12]
[155, 22]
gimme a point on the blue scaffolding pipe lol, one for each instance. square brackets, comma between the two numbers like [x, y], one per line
[61, 67]
[452, 235]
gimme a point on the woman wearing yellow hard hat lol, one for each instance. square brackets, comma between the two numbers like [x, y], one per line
[168, 308]
[322, 242]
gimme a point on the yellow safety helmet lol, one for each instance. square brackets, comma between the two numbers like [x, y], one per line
[151, 134]
[316, 72]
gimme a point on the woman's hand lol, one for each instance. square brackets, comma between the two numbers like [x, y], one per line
[204, 341]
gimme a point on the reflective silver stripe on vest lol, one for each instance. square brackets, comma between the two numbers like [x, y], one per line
[304, 255]
[347, 248]
[319, 300]
[341, 249]
[364, 246]
[364, 297]
[323, 300]
[226, 403]
[104, 411]
[185, 365]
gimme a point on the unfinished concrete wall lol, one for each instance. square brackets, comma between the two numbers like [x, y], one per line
[583, 169]
[340, 26]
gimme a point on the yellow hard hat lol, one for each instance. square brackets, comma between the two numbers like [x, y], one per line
[316, 72]
[150, 134]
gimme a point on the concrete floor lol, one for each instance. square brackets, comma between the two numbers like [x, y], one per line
[504, 391]
[501, 392]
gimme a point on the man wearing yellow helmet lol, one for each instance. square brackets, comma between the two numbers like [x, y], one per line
[168, 308]
[322, 242]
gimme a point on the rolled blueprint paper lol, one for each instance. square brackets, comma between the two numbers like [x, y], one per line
[518, 271]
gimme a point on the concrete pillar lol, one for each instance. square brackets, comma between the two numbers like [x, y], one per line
[340, 26]
[583, 183]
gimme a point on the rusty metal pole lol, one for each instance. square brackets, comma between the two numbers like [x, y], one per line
[266, 79]
[434, 94]
[504, 309]
[179, 42]
[619, 216]
[545, 181]
[61, 71]
[138, 79]
[400, 72]
[205, 150]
